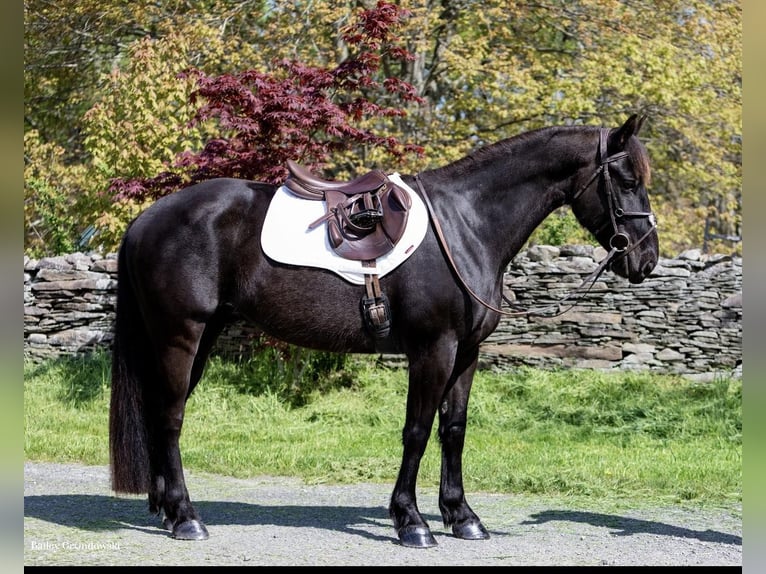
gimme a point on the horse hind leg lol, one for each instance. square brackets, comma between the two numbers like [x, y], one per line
[168, 493]
[213, 328]
[452, 424]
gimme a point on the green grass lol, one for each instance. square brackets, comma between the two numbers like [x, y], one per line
[615, 436]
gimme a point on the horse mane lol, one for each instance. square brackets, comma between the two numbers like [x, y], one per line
[489, 152]
[636, 151]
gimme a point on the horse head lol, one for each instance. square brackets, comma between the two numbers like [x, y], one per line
[612, 202]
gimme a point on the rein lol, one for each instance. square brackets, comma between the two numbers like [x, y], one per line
[619, 242]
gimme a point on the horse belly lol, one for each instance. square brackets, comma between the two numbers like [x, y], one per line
[306, 307]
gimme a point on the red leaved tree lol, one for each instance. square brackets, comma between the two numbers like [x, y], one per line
[298, 112]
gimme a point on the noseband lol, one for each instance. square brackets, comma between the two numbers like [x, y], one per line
[619, 243]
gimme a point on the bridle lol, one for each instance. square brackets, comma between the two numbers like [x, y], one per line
[619, 243]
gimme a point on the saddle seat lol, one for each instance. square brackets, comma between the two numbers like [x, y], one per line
[305, 184]
[365, 217]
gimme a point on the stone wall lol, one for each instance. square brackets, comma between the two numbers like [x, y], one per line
[685, 318]
[69, 304]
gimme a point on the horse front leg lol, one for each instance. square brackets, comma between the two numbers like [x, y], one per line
[453, 415]
[427, 381]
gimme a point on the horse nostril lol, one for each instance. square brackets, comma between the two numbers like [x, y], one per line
[647, 268]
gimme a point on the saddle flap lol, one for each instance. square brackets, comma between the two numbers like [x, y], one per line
[354, 241]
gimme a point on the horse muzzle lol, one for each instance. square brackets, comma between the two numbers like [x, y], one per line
[634, 261]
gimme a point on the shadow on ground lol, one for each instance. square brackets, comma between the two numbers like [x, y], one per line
[624, 526]
[103, 513]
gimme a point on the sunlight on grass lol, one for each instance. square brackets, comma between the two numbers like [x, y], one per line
[609, 435]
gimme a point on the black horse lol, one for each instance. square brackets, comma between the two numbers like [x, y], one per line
[193, 260]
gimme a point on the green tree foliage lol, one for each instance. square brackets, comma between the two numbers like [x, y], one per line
[50, 187]
[71, 46]
[487, 70]
[294, 111]
[148, 105]
[512, 66]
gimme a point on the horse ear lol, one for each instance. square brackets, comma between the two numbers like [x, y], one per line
[640, 123]
[619, 137]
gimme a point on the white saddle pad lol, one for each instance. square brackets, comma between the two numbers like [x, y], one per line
[286, 238]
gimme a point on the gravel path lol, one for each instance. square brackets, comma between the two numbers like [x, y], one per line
[72, 518]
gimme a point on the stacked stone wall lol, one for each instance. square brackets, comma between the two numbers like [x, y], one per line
[685, 318]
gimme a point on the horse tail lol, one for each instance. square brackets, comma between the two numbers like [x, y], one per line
[131, 355]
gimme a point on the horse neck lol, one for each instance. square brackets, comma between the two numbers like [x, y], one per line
[499, 195]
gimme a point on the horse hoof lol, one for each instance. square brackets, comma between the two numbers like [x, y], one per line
[470, 531]
[416, 537]
[190, 530]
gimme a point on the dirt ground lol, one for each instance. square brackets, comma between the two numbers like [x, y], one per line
[71, 517]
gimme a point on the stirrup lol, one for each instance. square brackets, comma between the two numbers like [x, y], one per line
[367, 219]
[377, 315]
